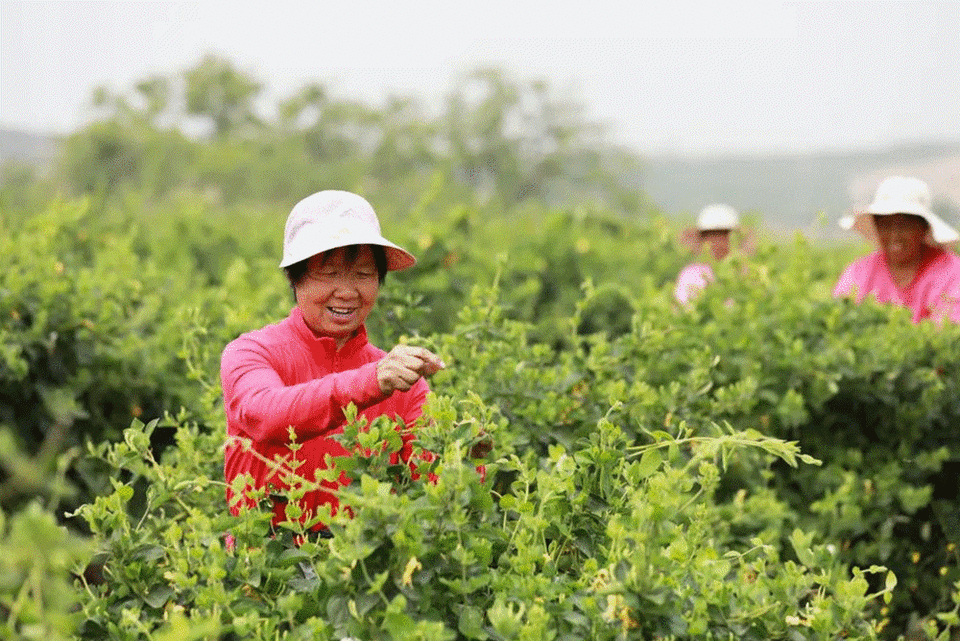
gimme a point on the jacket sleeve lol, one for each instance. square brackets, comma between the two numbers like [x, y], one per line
[257, 401]
[847, 283]
[691, 280]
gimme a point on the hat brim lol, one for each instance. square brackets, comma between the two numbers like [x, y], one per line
[718, 227]
[397, 257]
[941, 233]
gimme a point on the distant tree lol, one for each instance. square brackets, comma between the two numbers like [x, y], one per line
[304, 107]
[155, 93]
[481, 131]
[328, 129]
[124, 147]
[215, 89]
[495, 136]
[406, 142]
[101, 157]
[520, 140]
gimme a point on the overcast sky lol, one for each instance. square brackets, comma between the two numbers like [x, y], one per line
[666, 75]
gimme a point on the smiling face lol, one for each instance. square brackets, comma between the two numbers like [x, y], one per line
[901, 238]
[338, 291]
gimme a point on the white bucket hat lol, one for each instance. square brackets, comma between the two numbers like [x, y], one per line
[330, 219]
[718, 217]
[901, 195]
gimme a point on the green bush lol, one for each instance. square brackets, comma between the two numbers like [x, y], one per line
[652, 468]
[39, 562]
[606, 541]
[84, 348]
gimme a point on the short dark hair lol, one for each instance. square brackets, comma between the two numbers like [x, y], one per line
[297, 271]
[914, 217]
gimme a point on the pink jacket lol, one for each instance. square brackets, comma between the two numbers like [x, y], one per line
[933, 293]
[691, 280]
[283, 375]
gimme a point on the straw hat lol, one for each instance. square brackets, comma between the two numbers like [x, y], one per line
[330, 219]
[901, 195]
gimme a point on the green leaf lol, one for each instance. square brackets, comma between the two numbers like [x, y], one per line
[470, 623]
[149, 552]
[291, 556]
[650, 462]
[158, 596]
[801, 542]
[891, 581]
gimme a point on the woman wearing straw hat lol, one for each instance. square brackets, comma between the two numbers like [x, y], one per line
[303, 371]
[911, 268]
[715, 226]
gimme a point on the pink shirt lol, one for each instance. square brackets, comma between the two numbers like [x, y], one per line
[691, 280]
[283, 375]
[933, 293]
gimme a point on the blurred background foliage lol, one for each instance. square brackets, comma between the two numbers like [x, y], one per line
[501, 139]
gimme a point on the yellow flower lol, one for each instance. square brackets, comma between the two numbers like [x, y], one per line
[412, 566]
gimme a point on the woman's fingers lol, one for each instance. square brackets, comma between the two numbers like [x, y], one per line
[431, 363]
[419, 359]
[403, 366]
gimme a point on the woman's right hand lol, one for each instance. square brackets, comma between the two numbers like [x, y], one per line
[404, 365]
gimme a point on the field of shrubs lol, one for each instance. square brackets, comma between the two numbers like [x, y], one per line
[770, 463]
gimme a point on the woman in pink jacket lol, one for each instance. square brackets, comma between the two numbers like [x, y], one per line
[715, 226]
[912, 268]
[302, 372]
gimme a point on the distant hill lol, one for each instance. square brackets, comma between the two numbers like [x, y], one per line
[27, 147]
[805, 192]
